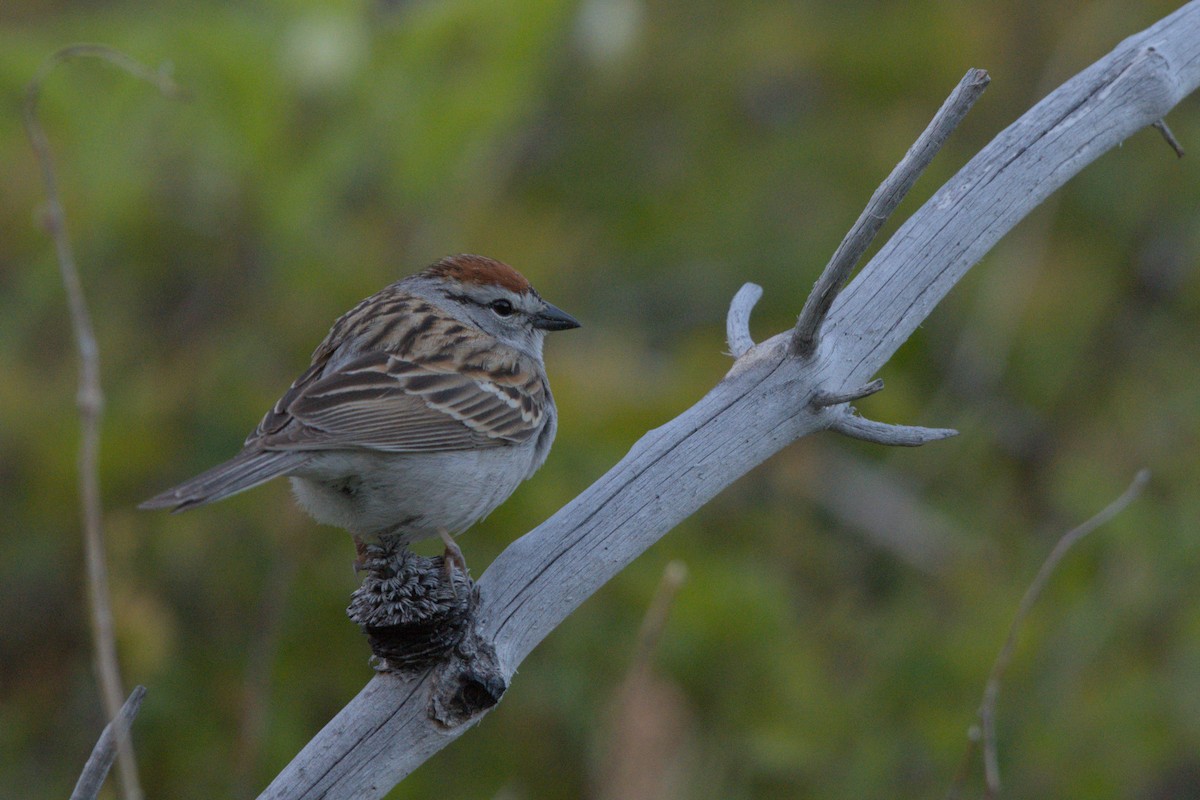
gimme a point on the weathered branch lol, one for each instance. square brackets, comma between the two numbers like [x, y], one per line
[880, 207]
[101, 760]
[90, 398]
[762, 405]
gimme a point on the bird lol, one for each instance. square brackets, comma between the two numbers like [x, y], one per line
[422, 410]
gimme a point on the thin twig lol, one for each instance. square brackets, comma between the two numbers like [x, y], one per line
[1161, 127]
[100, 761]
[986, 731]
[880, 207]
[90, 398]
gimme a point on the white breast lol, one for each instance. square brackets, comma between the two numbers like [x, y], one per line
[371, 493]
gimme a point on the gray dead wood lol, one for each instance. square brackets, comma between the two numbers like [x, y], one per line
[762, 405]
[737, 321]
[101, 760]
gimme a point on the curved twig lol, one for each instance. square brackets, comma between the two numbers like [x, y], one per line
[90, 398]
[869, 430]
[737, 321]
[985, 732]
[991, 693]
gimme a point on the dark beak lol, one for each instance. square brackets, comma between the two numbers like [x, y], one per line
[551, 318]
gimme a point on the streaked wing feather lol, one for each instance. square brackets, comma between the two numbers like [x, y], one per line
[379, 401]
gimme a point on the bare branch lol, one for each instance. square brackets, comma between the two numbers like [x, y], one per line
[987, 709]
[737, 322]
[100, 761]
[90, 398]
[869, 430]
[761, 405]
[1161, 127]
[880, 207]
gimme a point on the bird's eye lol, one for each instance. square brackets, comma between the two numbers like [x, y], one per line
[503, 308]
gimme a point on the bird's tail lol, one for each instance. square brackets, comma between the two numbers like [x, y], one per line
[244, 471]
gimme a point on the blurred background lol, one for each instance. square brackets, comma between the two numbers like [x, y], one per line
[638, 160]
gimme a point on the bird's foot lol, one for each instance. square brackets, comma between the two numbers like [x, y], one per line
[453, 561]
[361, 554]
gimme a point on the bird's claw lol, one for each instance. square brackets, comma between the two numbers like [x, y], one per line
[453, 561]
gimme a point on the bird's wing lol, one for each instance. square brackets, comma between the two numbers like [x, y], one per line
[380, 401]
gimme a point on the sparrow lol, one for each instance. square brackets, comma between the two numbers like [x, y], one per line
[424, 408]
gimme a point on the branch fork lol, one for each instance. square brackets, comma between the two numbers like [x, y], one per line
[846, 420]
[806, 334]
[415, 618]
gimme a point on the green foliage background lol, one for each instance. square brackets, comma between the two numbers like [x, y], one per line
[638, 160]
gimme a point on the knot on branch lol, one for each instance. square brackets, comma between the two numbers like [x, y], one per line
[468, 684]
[412, 608]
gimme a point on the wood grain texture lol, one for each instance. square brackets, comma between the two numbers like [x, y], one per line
[763, 404]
